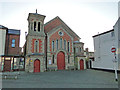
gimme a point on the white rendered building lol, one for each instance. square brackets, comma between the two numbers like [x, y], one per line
[102, 48]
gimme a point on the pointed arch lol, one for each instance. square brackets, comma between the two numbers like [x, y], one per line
[37, 65]
[61, 60]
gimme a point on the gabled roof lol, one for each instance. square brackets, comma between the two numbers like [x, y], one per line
[57, 22]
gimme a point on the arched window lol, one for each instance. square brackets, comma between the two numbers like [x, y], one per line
[68, 46]
[53, 45]
[36, 46]
[34, 26]
[65, 44]
[80, 49]
[60, 42]
[57, 44]
[38, 26]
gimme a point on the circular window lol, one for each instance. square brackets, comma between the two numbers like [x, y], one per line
[60, 33]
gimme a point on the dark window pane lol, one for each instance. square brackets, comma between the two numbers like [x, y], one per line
[53, 45]
[57, 44]
[34, 26]
[61, 43]
[38, 26]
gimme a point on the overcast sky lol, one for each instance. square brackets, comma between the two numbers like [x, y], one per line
[84, 17]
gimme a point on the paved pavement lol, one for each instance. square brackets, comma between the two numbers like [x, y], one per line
[63, 79]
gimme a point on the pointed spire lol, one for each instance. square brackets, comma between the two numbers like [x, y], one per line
[36, 10]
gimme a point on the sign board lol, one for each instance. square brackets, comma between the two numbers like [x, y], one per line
[113, 50]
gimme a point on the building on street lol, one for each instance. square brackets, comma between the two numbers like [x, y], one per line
[52, 45]
[89, 56]
[10, 58]
[103, 44]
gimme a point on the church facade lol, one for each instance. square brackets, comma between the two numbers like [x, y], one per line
[52, 46]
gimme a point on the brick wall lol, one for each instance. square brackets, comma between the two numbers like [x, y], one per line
[57, 22]
[56, 36]
[9, 50]
[33, 45]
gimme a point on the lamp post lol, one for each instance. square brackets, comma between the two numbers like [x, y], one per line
[113, 50]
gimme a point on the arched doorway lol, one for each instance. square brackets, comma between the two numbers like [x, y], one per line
[37, 65]
[81, 64]
[61, 61]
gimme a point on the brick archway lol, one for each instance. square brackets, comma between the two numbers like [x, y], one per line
[81, 64]
[37, 65]
[61, 60]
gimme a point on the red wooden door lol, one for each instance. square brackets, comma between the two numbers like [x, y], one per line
[81, 65]
[61, 61]
[37, 65]
[7, 65]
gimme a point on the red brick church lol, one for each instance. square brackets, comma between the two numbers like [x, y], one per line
[52, 46]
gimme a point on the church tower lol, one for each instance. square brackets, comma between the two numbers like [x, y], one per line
[35, 40]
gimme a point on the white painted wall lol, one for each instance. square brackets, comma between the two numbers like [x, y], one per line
[2, 41]
[102, 47]
[2, 44]
[117, 33]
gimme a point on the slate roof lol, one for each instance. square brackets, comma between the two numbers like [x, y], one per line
[36, 54]
[10, 31]
[103, 33]
[14, 31]
[78, 42]
[2, 27]
[57, 22]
